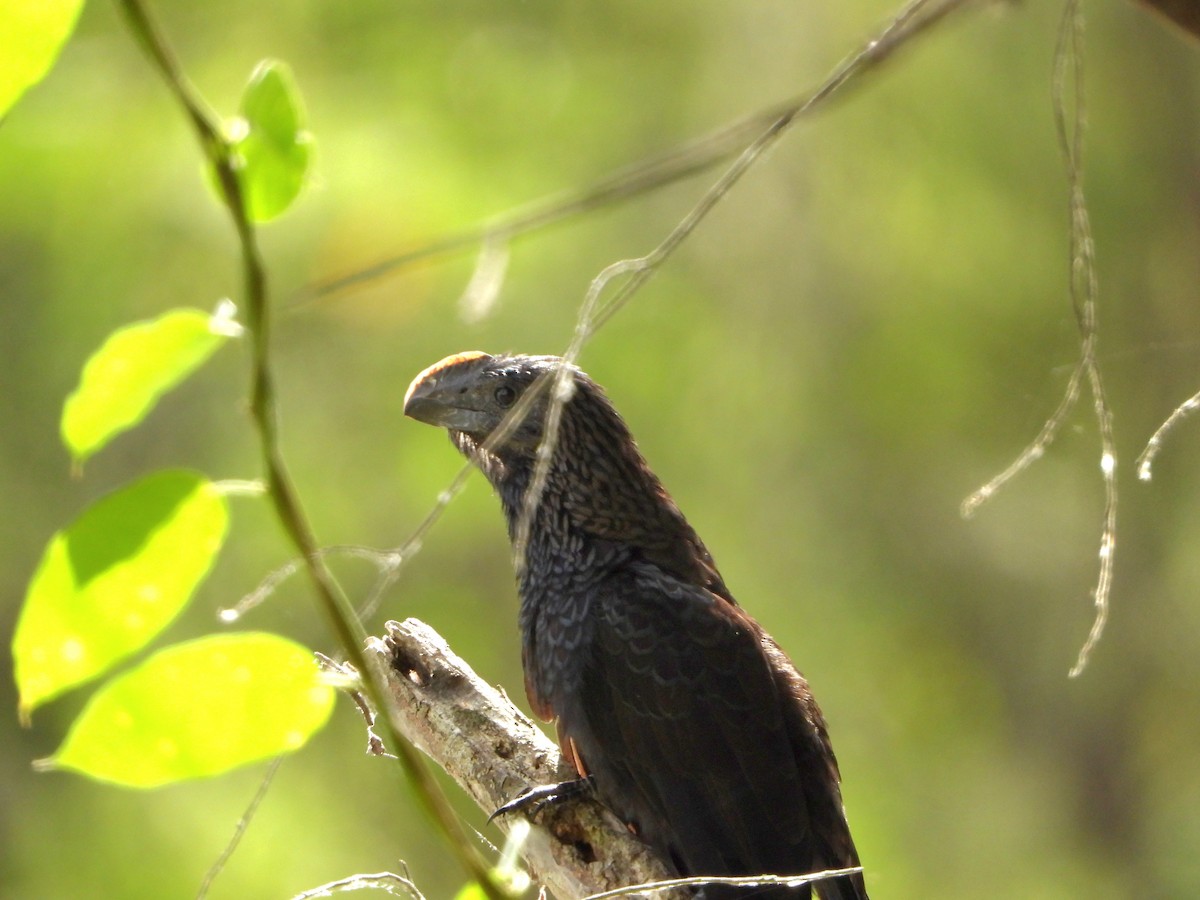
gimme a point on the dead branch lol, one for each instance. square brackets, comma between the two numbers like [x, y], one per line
[494, 752]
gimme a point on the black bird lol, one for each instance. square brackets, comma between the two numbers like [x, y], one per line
[693, 725]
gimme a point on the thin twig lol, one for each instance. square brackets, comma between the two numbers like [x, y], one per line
[1070, 119]
[333, 602]
[347, 678]
[654, 887]
[628, 182]
[385, 560]
[239, 830]
[387, 882]
[1069, 58]
[483, 290]
[1084, 293]
[1145, 462]
[1036, 448]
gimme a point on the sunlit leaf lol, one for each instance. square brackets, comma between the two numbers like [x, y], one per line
[123, 380]
[114, 579]
[199, 709]
[32, 32]
[270, 139]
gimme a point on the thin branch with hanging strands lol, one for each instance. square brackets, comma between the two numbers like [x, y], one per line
[1070, 117]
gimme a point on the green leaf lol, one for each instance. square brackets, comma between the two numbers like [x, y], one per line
[32, 32]
[114, 579]
[123, 380]
[273, 147]
[198, 709]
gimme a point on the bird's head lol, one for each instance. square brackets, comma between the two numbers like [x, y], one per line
[597, 479]
[470, 394]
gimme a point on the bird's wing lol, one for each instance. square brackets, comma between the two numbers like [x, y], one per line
[683, 723]
[834, 847]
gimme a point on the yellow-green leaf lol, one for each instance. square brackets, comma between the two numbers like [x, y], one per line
[123, 380]
[32, 32]
[199, 709]
[114, 579]
[271, 142]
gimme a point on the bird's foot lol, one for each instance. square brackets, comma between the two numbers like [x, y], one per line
[532, 800]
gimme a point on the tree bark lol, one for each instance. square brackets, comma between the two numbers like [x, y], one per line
[494, 752]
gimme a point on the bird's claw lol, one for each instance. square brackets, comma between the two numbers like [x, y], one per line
[533, 800]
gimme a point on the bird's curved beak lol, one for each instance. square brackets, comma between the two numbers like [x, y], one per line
[434, 410]
[436, 397]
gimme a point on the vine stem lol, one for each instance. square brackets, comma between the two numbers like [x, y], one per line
[264, 412]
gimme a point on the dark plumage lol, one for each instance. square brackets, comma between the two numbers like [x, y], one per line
[696, 728]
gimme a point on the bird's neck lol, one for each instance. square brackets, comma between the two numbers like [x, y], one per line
[597, 503]
[595, 483]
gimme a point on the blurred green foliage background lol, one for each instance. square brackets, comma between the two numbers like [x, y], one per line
[873, 323]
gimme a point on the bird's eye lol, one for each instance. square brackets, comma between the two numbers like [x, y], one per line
[505, 395]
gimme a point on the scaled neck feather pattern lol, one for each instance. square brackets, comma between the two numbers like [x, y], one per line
[598, 488]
